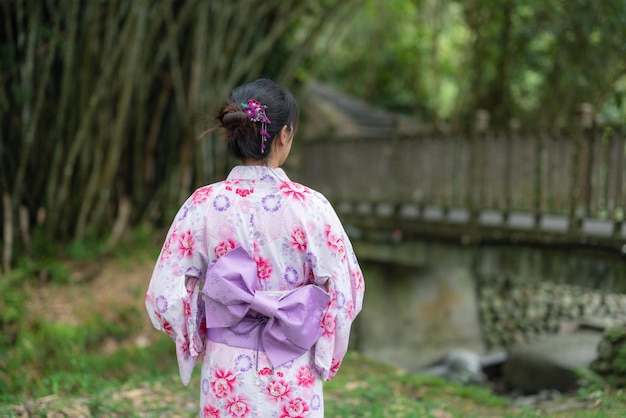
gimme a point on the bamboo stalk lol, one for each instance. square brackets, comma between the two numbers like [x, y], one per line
[61, 121]
[7, 236]
[105, 179]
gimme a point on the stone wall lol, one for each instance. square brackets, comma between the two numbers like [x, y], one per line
[513, 313]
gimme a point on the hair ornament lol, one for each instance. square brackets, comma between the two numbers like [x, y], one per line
[255, 112]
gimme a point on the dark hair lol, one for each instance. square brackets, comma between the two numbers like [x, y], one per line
[242, 135]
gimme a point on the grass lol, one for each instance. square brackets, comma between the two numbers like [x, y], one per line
[363, 388]
[366, 388]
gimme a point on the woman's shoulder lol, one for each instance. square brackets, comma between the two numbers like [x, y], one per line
[203, 193]
[302, 191]
[301, 196]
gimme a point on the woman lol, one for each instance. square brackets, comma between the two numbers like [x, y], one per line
[257, 275]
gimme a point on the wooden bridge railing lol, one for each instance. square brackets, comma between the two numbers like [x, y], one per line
[540, 182]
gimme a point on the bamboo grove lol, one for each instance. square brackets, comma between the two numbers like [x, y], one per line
[102, 103]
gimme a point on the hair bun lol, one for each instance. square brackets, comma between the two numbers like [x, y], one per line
[233, 120]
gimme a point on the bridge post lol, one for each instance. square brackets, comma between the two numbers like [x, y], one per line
[511, 135]
[475, 196]
[579, 169]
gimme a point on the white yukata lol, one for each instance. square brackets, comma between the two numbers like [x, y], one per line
[295, 238]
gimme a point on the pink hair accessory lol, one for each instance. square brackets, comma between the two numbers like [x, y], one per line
[255, 112]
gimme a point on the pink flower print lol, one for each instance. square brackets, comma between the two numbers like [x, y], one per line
[187, 309]
[210, 412]
[230, 183]
[335, 243]
[328, 324]
[238, 406]
[264, 268]
[166, 253]
[294, 190]
[202, 330]
[350, 310]
[295, 408]
[165, 325]
[244, 192]
[357, 280]
[278, 390]
[185, 244]
[334, 368]
[280, 374]
[223, 382]
[169, 329]
[298, 240]
[266, 371]
[201, 194]
[183, 349]
[245, 206]
[224, 247]
[305, 376]
[341, 250]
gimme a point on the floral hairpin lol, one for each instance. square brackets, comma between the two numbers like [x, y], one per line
[255, 112]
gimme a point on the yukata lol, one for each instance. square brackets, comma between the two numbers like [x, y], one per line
[295, 240]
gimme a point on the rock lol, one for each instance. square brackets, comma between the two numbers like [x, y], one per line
[464, 366]
[605, 350]
[601, 367]
[550, 362]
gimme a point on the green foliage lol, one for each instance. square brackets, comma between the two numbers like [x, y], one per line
[102, 102]
[616, 334]
[533, 60]
[591, 383]
[69, 349]
[139, 244]
[54, 358]
[84, 249]
[619, 363]
[12, 308]
[40, 357]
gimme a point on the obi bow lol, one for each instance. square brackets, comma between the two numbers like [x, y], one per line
[285, 326]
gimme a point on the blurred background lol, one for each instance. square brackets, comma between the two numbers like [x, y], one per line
[473, 148]
[103, 102]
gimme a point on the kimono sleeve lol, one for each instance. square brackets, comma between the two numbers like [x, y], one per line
[173, 299]
[336, 269]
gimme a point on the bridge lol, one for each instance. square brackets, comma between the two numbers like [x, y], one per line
[479, 240]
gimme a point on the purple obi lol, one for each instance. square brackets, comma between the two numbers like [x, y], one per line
[283, 324]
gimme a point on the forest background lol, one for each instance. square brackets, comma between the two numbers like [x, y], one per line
[102, 102]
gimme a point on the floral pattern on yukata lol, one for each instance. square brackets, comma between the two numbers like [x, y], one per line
[295, 238]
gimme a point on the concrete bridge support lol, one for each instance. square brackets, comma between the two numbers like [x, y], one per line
[413, 314]
[426, 298]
